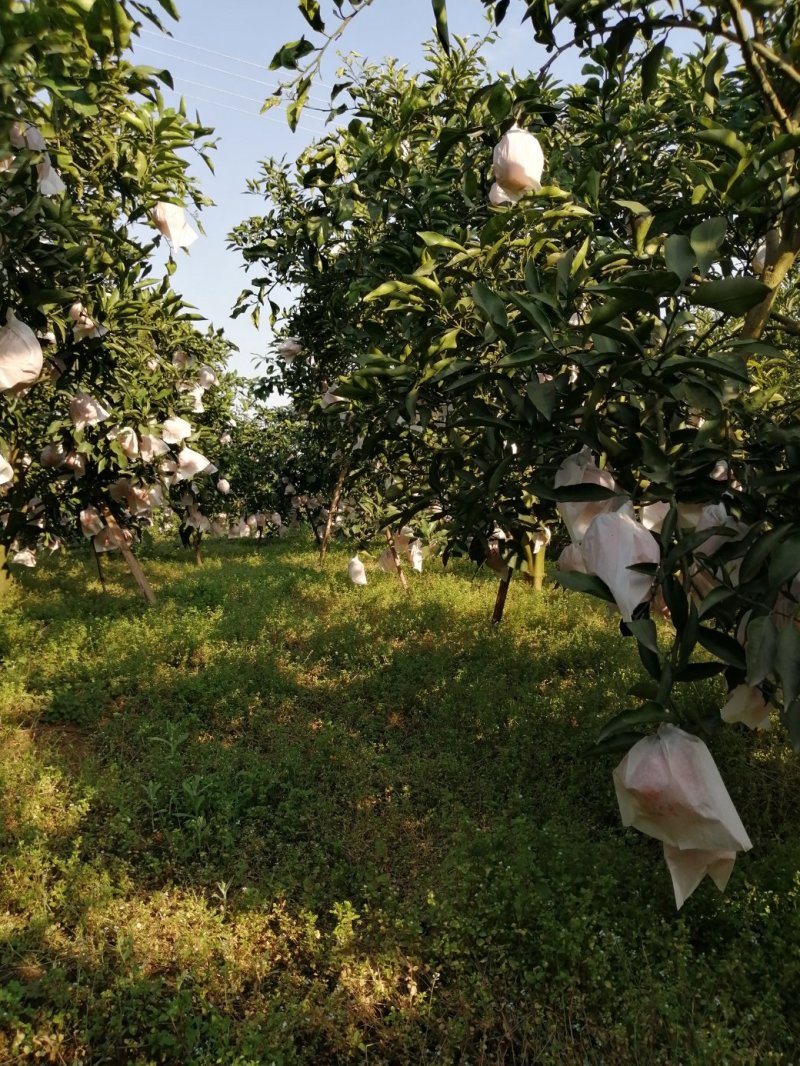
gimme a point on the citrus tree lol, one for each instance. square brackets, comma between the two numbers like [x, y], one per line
[610, 330]
[93, 176]
[352, 217]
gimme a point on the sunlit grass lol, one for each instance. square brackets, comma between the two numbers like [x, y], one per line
[281, 818]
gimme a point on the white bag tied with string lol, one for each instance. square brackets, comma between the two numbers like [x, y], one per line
[26, 557]
[746, 704]
[127, 440]
[355, 568]
[84, 326]
[387, 562]
[191, 463]
[518, 161]
[668, 786]
[50, 183]
[415, 556]
[91, 522]
[613, 543]
[21, 357]
[111, 540]
[85, 411]
[571, 558]
[174, 430]
[581, 469]
[499, 197]
[151, 447]
[289, 349]
[170, 220]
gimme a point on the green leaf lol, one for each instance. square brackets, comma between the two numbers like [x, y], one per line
[655, 282]
[714, 599]
[289, 55]
[311, 13]
[534, 312]
[787, 663]
[692, 672]
[732, 296]
[724, 647]
[490, 303]
[389, 288]
[724, 139]
[679, 256]
[587, 583]
[762, 638]
[442, 32]
[634, 206]
[542, 395]
[583, 493]
[500, 102]
[620, 742]
[761, 550]
[650, 65]
[785, 562]
[645, 632]
[648, 714]
[706, 239]
[438, 240]
[295, 107]
[787, 142]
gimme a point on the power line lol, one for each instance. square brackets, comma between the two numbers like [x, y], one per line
[251, 114]
[228, 107]
[212, 52]
[217, 70]
[239, 96]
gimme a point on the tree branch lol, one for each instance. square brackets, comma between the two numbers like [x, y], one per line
[755, 69]
[790, 325]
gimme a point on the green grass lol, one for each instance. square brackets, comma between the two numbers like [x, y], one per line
[280, 819]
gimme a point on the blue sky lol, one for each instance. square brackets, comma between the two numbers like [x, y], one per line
[219, 56]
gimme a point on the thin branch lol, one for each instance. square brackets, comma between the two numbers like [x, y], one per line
[757, 72]
[790, 325]
[671, 22]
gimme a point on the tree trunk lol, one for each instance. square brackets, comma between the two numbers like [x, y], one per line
[781, 254]
[500, 602]
[101, 577]
[130, 559]
[337, 495]
[198, 555]
[400, 575]
[5, 573]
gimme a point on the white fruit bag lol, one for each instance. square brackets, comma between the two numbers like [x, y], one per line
[668, 786]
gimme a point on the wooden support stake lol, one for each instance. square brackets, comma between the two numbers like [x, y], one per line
[130, 559]
[400, 575]
[500, 602]
[311, 522]
[5, 573]
[101, 577]
[337, 494]
[538, 569]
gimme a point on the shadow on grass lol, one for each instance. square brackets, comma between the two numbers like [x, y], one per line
[361, 819]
